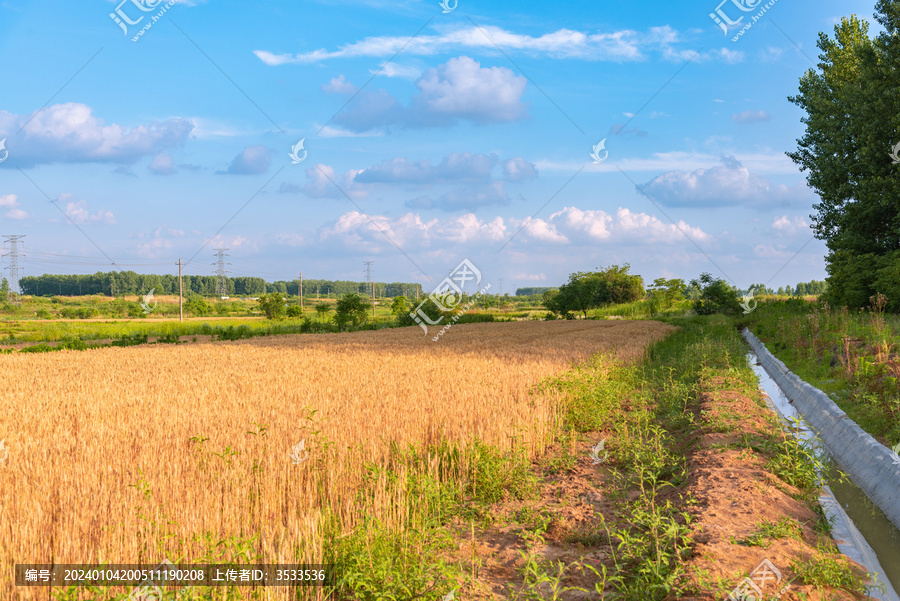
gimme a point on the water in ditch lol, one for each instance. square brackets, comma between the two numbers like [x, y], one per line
[879, 532]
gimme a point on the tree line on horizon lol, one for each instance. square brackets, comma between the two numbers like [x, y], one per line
[118, 283]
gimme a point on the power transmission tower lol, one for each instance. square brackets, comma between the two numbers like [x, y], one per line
[180, 294]
[371, 284]
[500, 292]
[13, 268]
[221, 277]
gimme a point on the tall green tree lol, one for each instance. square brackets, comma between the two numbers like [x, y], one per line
[852, 123]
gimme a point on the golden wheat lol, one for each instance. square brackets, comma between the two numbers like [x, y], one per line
[102, 467]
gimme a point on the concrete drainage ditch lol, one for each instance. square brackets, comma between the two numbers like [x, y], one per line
[865, 513]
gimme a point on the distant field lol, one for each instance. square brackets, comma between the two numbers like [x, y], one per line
[139, 453]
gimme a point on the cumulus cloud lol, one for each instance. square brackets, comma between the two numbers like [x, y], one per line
[460, 89]
[469, 176]
[321, 182]
[159, 243]
[569, 226]
[70, 133]
[78, 212]
[457, 166]
[617, 46]
[162, 164]
[339, 85]
[788, 226]
[518, 170]
[464, 198]
[253, 160]
[729, 184]
[11, 202]
[750, 117]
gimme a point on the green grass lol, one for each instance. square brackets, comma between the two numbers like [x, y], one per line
[767, 531]
[845, 354]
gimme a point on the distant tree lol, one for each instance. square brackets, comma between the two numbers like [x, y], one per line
[351, 309]
[196, 305]
[4, 289]
[322, 309]
[592, 289]
[272, 305]
[716, 296]
[668, 292]
[400, 306]
[532, 291]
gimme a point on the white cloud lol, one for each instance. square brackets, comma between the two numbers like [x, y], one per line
[10, 201]
[162, 164]
[253, 160]
[750, 117]
[623, 45]
[321, 182]
[77, 211]
[339, 85]
[518, 170]
[395, 70]
[728, 184]
[458, 89]
[789, 226]
[771, 163]
[456, 166]
[69, 133]
[462, 88]
[570, 226]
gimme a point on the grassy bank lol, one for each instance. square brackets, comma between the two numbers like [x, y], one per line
[851, 355]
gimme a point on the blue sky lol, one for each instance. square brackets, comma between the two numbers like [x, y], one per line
[428, 137]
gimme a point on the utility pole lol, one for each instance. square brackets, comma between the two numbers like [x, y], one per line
[221, 278]
[301, 292]
[180, 294]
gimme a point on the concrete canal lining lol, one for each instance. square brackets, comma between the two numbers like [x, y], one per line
[871, 465]
[850, 541]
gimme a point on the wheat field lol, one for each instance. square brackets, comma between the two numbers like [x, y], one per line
[142, 453]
